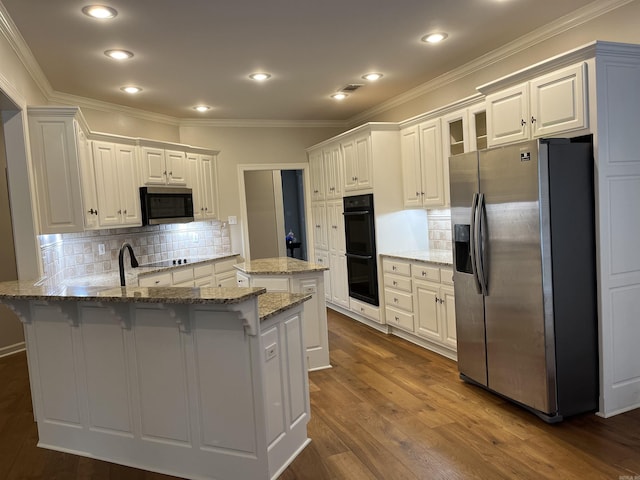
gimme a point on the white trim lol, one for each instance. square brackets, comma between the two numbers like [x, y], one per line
[12, 349]
[251, 123]
[84, 102]
[558, 26]
[23, 52]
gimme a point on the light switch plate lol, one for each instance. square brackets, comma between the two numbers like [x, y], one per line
[233, 220]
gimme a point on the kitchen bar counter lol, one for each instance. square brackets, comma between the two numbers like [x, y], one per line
[279, 266]
[191, 382]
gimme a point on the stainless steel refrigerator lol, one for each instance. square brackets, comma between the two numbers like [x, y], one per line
[524, 273]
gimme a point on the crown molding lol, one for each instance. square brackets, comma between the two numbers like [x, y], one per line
[23, 52]
[84, 102]
[252, 123]
[554, 28]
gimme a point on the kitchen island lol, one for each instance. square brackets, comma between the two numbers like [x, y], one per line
[285, 274]
[193, 382]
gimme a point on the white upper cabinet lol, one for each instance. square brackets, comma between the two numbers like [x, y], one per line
[358, 165]
[163, 167]
[54, 152]
[116, 171]
[422, 165]
[548, 105]
[332, 159]
[202, 179]
[316, 165]
[89, 194]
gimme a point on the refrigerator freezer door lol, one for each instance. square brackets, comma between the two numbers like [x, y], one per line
[514, 307]
[470, 330]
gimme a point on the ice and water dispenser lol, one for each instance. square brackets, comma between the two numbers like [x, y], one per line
[462, 241]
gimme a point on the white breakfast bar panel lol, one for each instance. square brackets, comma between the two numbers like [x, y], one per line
[199, 383]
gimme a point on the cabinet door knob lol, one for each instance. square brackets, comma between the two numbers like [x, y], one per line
[522, 123]
[395, 283]
[395, 300]
[170, 174]
[424, 274]
[164, 173]
[119, 212]
[533, 120]
[124, 211]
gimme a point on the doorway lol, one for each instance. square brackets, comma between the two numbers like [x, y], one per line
[11, 332]
[273, 202]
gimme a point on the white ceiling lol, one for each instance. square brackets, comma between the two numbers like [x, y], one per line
[189, 52]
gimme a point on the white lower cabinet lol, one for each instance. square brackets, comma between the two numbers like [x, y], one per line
[322, 258]
[338, 275]
[435, 309]
[365, 309]
[155, 280]
[215, 273]
[419, 301]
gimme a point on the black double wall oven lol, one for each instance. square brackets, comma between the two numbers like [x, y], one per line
[360, 236]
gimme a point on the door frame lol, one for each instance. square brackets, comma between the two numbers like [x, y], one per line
[243, 198]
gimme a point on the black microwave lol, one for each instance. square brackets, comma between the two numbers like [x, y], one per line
[166, 205]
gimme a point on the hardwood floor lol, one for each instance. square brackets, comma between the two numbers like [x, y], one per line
[386, 410]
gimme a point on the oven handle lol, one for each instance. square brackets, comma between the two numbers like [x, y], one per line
[355, 255]
[359, 212]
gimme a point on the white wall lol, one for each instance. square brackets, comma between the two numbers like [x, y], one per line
[255, 145]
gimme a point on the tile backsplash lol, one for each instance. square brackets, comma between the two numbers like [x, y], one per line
[439, 222]
[77, 254]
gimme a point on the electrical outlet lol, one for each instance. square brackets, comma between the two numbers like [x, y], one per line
[101, 249]
[194, 237]
[233, 220]
[271, 351]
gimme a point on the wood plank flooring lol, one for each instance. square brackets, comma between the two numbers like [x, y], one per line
[386, 410]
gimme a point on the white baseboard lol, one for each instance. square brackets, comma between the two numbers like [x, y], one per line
[11, 349]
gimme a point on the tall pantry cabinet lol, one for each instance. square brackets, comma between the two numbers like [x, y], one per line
[360, 161]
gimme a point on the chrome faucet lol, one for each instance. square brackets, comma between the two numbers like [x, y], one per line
[134, 262]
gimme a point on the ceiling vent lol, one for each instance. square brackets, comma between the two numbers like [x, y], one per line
[351, 87]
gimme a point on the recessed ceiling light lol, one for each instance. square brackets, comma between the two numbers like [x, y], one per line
[131, 89]
[260, 76]
[339, 96]
[99, 11]
[118, 54]
[372, 77]
[434, 37]
[202, 108]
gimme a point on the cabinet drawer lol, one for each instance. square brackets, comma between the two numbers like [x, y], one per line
[203, 271]
[271, 284]
[225, 265]
[397, 283]
[364, 309]
[182, 275]
[157, 280]
[398, 299]
[396, 266]
[426, 272]
[446, 276]
[399, 318]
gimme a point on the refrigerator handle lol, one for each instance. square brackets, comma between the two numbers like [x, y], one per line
[480, 233]
[472, 242]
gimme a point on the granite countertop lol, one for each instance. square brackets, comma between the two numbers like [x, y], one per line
[25, 290]
[272, 303]
[278, 266]
[441, 257]
[111, 279]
